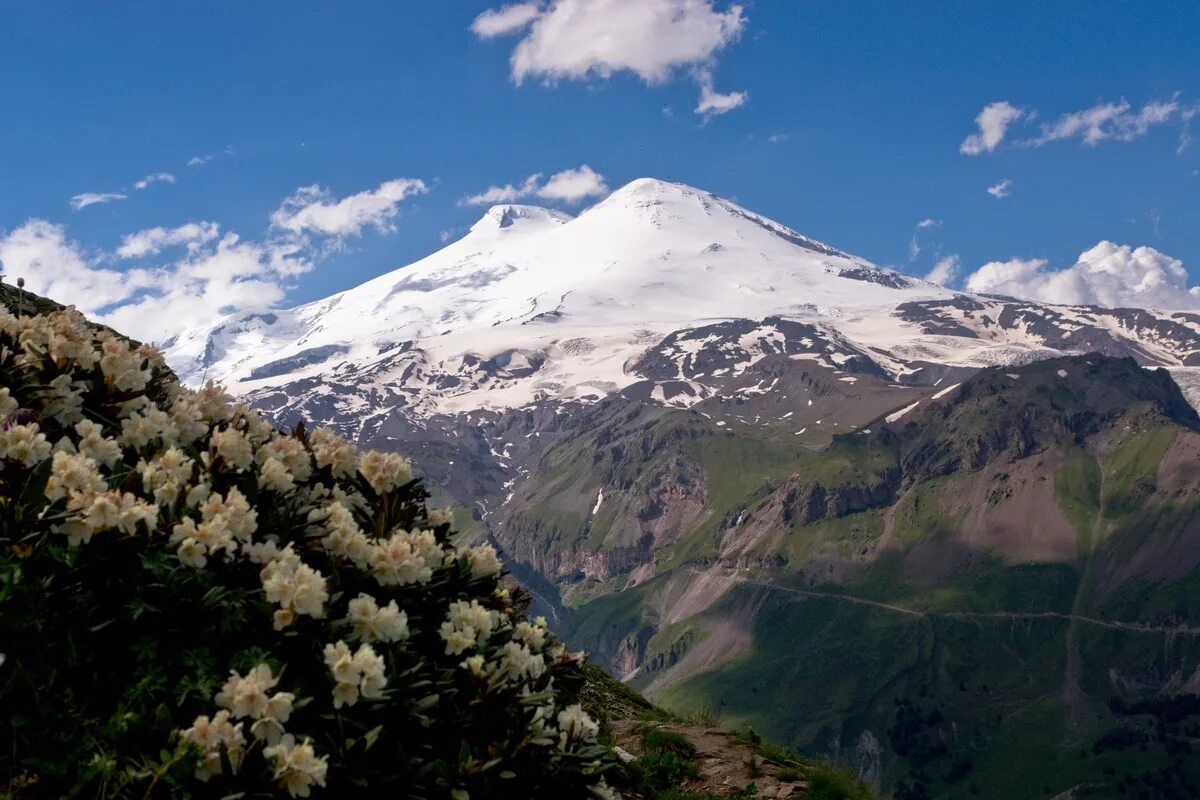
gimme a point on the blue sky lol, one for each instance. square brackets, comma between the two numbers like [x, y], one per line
[869, 104]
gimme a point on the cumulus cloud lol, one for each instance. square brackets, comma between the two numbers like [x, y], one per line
[94, 199]
[777, 138]
[573, 185]
[1107, 121]
[157, 177]
[313, 209]
[153, 240]
[1000, 190]
[712, 102]
[1108, 274]
[581, 39]
[567, 186]
[993, 122]
[944, 271]
[196, 161]
[507, 19]
[209, 275]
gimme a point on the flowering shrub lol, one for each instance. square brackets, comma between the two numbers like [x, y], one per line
[193, 604]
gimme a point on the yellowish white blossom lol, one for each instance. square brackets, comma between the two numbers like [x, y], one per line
[72, 473]
[358, 674]
[296, 766]
[8, 403]
[331, 450]
[375, 623]
[214, 736]
[483, 560]
[466, 625]
[295, 587]
[406, 557]
[233, 447]
[25, 444]
[384, 471]
[93, 444]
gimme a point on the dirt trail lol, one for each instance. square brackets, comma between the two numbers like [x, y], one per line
[1132, 627]
[724, 761]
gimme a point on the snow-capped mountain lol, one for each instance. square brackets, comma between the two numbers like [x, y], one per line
[533, 304]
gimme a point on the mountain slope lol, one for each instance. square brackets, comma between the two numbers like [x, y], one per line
[982, 581]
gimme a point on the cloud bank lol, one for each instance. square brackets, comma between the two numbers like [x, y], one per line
[1108, 274]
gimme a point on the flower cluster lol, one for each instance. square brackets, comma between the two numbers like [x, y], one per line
[231, 556]
[359, 674]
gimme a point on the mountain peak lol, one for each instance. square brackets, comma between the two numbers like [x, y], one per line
[507, 215]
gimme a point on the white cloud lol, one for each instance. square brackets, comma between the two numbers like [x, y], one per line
[1000, 190]
[314, 210]
[568, 186]
[573, 185]
[1185, 133]
[507, 19]
[52, 265]
[914, 244]
[1106, 121]
[993, 122]
[95, 198]
[504, 194]
[944, 271]
[157, 177]
[196, 161]
[712, 102]
[778, 138]
[152, 240]
[211, 275]
[1106, 275]
[580, 39]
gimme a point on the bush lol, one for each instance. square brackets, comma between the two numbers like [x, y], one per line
[193, 604]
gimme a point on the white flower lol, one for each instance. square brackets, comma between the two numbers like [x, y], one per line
[375, 624]
[70, 340]
[121, 364]
[92, 443]
[213, 736]
[384, 471]
[72, 473]
[295, 587]
[192, 553]
[274, 475]
[147, 425]
[466, 625]
[165, 474]
[354, 675]
[576, 726]
[483, 560]
[331, 450]
[297, 766]
[63, 399]
[532, 634]
[406, 558]
[517, 662]
[8, 405]
[345, 538]
[234, 448]
[290, 452]
[476, 664]
[24, 443]
[441, 516]
[250, 696]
